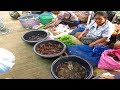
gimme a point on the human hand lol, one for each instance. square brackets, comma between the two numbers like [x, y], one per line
[77, 34]
[49, 25]
[91, 44]
[80, 36]
[46, 26]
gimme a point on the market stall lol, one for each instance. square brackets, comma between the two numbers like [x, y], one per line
[30, 64]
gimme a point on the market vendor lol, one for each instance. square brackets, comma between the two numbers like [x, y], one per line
[63, 17]
[116, 43]
[98, 31]
[115, 35]
[83, 16]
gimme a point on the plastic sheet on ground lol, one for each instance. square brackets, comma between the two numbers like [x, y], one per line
[6, 60]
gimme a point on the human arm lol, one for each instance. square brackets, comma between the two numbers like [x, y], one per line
[105, 35]
[86, 30]
[117, 45]
[73, 15]
[55, 22]
[99, 41]
[116, 30]
[82, 34]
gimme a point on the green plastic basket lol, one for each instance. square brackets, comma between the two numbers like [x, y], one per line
[45, 18]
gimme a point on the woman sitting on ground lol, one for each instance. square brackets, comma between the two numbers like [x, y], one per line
[61, 17]
[98, 31]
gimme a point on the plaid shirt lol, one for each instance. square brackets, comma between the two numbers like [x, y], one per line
[64, 14]
[105, 30]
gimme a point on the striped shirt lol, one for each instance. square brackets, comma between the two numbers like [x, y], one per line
[105, 30]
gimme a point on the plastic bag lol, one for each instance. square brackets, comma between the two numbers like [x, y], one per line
[110, 59]
[91, 54]
[99, 48]
[6, 60]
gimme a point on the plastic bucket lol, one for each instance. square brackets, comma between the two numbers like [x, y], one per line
[45, 18]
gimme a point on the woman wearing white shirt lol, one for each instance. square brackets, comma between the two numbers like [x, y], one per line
[100, 29]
